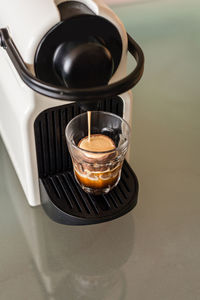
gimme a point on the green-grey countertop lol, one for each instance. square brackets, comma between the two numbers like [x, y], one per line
[153, 252]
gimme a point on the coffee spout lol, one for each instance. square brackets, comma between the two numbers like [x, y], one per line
[89, 105]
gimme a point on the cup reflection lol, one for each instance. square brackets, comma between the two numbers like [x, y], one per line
[73, 262]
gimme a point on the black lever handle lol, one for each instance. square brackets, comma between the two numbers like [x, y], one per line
[74, 94]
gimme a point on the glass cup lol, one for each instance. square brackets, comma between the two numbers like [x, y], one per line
[98, 172]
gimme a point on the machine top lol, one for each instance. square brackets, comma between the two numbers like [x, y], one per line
[76, 58]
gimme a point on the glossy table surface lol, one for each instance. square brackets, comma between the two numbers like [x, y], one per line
[154, 251]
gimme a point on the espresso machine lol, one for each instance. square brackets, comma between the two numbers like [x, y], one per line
[58, 59]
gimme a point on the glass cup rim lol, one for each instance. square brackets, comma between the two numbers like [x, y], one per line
[121, 147]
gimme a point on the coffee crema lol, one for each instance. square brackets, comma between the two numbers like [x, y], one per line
[97, 143]
[97, 169]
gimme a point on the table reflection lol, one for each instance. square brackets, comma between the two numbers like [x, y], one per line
[73, 262]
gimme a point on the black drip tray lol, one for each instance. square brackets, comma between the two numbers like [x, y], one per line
[62, 198]
[66, 203]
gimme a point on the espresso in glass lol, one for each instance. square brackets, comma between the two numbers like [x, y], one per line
[98, 152]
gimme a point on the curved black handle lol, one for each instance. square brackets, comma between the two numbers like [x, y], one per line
[85, 94]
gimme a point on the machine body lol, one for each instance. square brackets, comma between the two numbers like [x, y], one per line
[27, 106]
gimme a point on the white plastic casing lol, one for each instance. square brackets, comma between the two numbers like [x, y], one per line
[27, 22]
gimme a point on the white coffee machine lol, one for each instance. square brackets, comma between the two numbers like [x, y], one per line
[59, 58]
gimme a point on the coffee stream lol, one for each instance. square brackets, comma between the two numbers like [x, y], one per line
[89, 124]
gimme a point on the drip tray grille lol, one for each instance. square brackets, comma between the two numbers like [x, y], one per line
[66, 203]
[62, 198]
